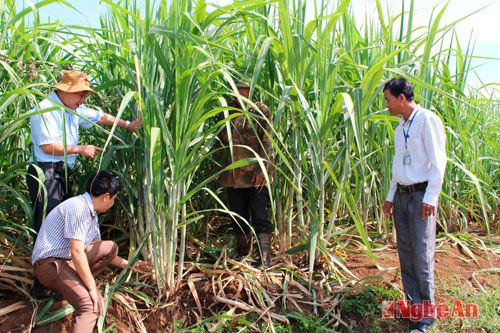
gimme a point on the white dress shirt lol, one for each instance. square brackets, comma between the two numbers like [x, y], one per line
[426, 146]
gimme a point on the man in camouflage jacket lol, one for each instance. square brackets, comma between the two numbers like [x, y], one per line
[246, 186]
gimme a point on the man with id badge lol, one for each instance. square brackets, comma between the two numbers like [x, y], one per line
[417, 175]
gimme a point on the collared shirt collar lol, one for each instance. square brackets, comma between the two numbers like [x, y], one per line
[403, 122]
[88, 199]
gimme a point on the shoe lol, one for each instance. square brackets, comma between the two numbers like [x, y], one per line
[243, 242]
[39, 292]
[265, 248]
[420, 327]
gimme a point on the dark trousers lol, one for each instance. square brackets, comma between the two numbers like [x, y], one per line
[416, 239]
[57, 185]
[253, 205]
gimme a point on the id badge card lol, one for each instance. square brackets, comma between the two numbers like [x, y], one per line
[406, 158]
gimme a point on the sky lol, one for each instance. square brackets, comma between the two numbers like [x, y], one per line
[484, 26]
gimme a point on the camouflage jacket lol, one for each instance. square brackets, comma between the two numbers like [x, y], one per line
[251, 132]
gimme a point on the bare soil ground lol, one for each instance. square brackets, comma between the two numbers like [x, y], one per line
[454, 268]
[451, 261]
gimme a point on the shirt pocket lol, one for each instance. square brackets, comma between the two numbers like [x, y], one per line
[415, 144]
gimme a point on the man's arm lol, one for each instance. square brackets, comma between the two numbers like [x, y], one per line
[82, 268]
[57, 149]
[140, 266]
[108, 120]
[119, 262]
[387, 207]
[45, 129]
[435, 145]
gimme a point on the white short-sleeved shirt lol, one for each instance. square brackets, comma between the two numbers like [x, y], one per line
[74, 218]
[48, 127]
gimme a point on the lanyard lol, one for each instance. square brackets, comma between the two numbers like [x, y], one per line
[407, 133]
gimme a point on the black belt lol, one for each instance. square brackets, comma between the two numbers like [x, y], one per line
[49, 164]
[58, 166]
[412, 188]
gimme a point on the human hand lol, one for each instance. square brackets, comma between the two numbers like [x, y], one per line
[141, 267]
[258, 179]
[135, 124]
[96, 298]
[428, 210]
[387, 208]
[89, 150]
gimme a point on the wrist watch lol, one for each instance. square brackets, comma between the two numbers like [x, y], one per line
[127, 124]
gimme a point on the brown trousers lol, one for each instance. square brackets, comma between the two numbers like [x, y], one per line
[61, 276]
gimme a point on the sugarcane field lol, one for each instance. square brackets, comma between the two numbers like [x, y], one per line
[249, 166]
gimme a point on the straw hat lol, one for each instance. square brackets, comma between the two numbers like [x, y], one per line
[74, 81]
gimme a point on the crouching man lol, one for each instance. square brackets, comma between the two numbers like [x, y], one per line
[69, 252]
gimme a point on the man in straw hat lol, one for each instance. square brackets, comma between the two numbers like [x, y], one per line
[54, 134]
[246, 186]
